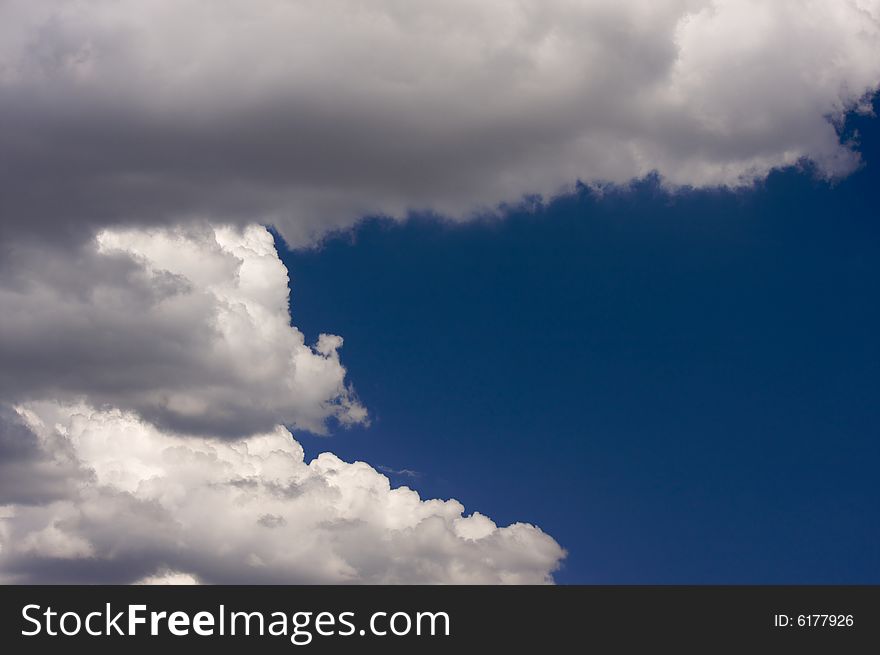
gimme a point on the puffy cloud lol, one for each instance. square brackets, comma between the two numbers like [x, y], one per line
[156, 507]
[189, 327]
[153, 369]
[310, 115]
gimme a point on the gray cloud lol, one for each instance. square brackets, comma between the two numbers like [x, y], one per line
[310, 115]
[188, 327]
[34, 469]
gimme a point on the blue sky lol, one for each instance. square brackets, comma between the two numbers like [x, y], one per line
[679, 388]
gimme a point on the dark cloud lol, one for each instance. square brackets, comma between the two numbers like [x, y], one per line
[311, 115]
[189, 328]
[34, 471]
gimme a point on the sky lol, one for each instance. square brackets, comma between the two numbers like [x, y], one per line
[679, 388]
[421, 292]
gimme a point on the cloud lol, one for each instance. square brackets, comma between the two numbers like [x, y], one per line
[153, 370]
[155, 507]
[168, 578]
[188, 327]
[310, 115]
[146, 335]
[409, 473]
[34, 469]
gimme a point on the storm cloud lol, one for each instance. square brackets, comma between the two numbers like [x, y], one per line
[310, 115]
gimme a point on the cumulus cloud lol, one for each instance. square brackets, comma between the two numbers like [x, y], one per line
[190, 328]
[309, 115]
[153, 507]
[153, 371]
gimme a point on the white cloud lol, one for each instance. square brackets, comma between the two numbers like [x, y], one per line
[188, 327]
[168, 578]
[153, 369]
[159, 507]
[310, 115]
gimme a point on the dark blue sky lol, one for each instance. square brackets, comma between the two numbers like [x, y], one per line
[679, 389]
